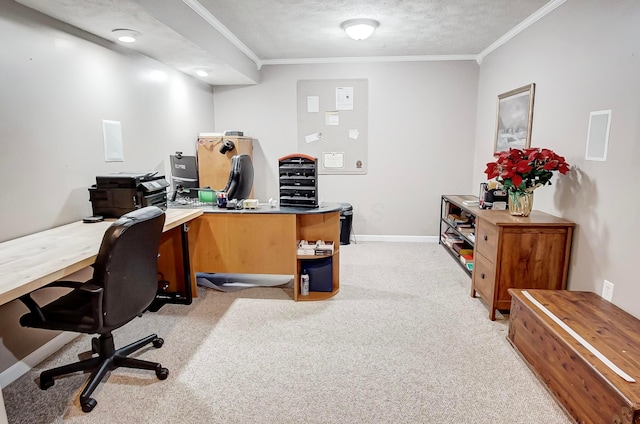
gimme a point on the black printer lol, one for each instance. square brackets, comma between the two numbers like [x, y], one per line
[113, 195]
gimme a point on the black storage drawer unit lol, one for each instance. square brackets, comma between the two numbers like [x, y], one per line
[298, 181]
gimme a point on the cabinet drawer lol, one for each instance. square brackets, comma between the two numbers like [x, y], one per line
[487, 240]
[484, 277]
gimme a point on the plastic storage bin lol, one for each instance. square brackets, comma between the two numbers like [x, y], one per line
[320, 274]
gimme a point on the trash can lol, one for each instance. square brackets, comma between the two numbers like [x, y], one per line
[346, 220]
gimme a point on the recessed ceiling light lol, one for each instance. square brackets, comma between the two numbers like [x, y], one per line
[125, 35]
[202, 73]
[359, 29]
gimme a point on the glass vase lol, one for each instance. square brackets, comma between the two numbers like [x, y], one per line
[520, 203]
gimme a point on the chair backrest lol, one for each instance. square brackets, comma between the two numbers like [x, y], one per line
[240, 177]
[127, 265]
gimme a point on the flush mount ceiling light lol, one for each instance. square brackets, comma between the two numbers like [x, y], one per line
[359, 29]
[125, 35]
[202, 73]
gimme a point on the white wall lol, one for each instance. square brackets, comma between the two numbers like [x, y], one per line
[56, 85]
[421, 133]
[583, 57]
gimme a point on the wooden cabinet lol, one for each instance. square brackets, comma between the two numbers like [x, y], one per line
[516, 252]
[264, 241]
[519, 252]
[214, 166]
[318, 226]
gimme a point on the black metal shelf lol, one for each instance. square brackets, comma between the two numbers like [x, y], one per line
[448, 226]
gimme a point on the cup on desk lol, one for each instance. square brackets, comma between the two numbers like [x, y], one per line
[206, 195]
[221, 198]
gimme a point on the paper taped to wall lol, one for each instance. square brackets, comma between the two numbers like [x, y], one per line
[333, 160]
[313, 137]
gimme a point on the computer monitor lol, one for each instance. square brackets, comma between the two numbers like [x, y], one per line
[184, 172]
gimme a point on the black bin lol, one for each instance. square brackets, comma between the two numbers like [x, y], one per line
[320, 274]
[346, 220]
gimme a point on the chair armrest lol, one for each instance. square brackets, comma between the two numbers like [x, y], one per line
[90, 287]
[96, 300]
[67, 284]
[33, 306]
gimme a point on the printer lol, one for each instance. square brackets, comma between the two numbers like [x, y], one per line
[113, 195]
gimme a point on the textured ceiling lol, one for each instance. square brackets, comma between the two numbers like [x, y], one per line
[286, 31]
[311, 28]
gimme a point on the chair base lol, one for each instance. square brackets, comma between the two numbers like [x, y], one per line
[108, 359]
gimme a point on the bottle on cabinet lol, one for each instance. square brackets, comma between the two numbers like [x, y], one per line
[304, 283]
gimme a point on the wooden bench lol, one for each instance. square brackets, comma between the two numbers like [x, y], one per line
[588, 389]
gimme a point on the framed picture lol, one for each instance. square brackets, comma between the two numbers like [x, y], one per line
[515, 115]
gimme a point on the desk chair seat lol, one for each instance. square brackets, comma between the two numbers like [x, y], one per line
[123, 286]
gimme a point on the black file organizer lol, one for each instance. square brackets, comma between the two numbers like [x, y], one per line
[298, 181]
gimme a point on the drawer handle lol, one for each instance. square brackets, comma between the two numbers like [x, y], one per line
[482, 275]
[485, 237]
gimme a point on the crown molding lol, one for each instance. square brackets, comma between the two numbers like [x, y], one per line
[368, 59]
[539, 14]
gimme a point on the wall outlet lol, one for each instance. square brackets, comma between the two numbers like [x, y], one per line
[607, 290]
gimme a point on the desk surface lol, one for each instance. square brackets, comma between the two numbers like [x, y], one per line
[30, 262]
[262, 209]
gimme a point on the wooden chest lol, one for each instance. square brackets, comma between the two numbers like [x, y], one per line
[588, 389]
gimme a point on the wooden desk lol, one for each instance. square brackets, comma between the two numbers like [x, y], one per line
[31, 262]
[263, 241]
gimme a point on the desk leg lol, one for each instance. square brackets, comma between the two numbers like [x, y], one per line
[186, 265]
[3, 412]
[178, 297]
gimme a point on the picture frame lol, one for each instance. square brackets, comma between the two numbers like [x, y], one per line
[514, 119]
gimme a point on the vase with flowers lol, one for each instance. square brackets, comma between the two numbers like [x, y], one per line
[521, 171]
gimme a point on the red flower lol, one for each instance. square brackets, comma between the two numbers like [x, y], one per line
[526, 170]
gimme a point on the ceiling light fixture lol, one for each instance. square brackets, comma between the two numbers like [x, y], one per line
[202, 73]
[359, 29]
[125, 35]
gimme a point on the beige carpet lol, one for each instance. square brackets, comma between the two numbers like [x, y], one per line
[403, 342]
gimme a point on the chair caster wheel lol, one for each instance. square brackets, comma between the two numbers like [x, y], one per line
[88, 405]
[45, 382]
[158, 342]
[162, 373]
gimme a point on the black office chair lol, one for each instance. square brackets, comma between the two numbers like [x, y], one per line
[124, 283]
[240, 177]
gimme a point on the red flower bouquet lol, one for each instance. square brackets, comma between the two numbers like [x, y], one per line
[525, 170]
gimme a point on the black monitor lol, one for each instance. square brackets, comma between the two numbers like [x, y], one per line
[184, 172]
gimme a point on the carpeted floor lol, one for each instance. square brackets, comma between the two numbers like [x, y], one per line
[402, 342]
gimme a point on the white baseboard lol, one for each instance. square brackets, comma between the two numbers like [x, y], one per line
[20, 368]
[410, 239]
